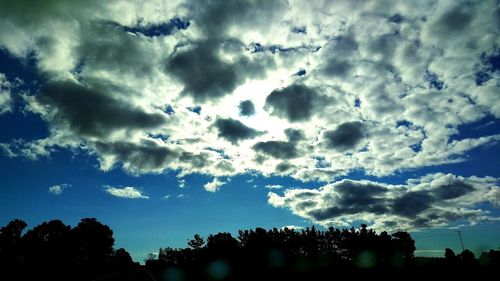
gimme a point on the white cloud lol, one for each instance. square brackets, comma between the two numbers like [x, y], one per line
[380, 89]
[294, 227]
[58, 189]
[126, 192]
[5, 94]
[182, 183]
[434, 200]
[214, 185]
[273, 186]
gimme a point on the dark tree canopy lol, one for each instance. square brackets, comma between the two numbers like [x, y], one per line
[255, 252]
[55, 251]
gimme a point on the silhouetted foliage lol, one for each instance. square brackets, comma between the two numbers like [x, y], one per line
[55, 251]
[10, 242]
[490, 259]
[309, 254]
[449, 255]
[260, 252]
[196, 243]
[48, 244]
[94, 242]
[467, 258]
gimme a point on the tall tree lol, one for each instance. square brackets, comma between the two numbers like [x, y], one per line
[10, 238]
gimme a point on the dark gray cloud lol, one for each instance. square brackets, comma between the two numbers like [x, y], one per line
[283, 167]
[235, 131]
[247, 108]
[345, 137]
[384, 45]
[345, 45]
[412, 203]
[453, 190]
[353, 193]
[143, 157]
[277, 149]
[295, 102]
[216, 17]
[206, 76]
[304, 205]
[90, 111]
[337, 53]
[194, 161]
[438, 201]
[337, 68]
[454, 20]
[119, 51]
[353, 197]
[294, 135]
[202, 73]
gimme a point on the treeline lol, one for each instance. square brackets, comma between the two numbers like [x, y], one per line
[311, 254]
[55, 251]
[285, 254]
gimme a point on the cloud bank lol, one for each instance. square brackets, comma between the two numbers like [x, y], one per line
[434, 200]
[312, 91]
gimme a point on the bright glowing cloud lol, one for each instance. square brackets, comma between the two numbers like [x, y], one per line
[312, 91]
[125, 192]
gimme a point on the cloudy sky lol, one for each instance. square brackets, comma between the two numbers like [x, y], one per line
[169, 118]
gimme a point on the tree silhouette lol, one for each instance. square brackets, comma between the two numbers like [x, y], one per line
[196, 243]
[450, 257]
[222, 245]
[405, 244]
[48, 245]
[55, 251]
[466, 258]
[93, 242]
[121, 258]
[10, 240]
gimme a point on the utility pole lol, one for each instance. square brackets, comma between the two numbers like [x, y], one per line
[459, 232]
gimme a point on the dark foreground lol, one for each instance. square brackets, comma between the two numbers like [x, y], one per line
[55, 251]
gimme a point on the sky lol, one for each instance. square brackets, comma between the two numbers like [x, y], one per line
[168, 118]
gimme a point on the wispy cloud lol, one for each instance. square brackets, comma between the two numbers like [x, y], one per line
[58, 189]
[170, 196]
[214, 185]
[273, 186]
[295, 227]
[125, 192]
[182, 182]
